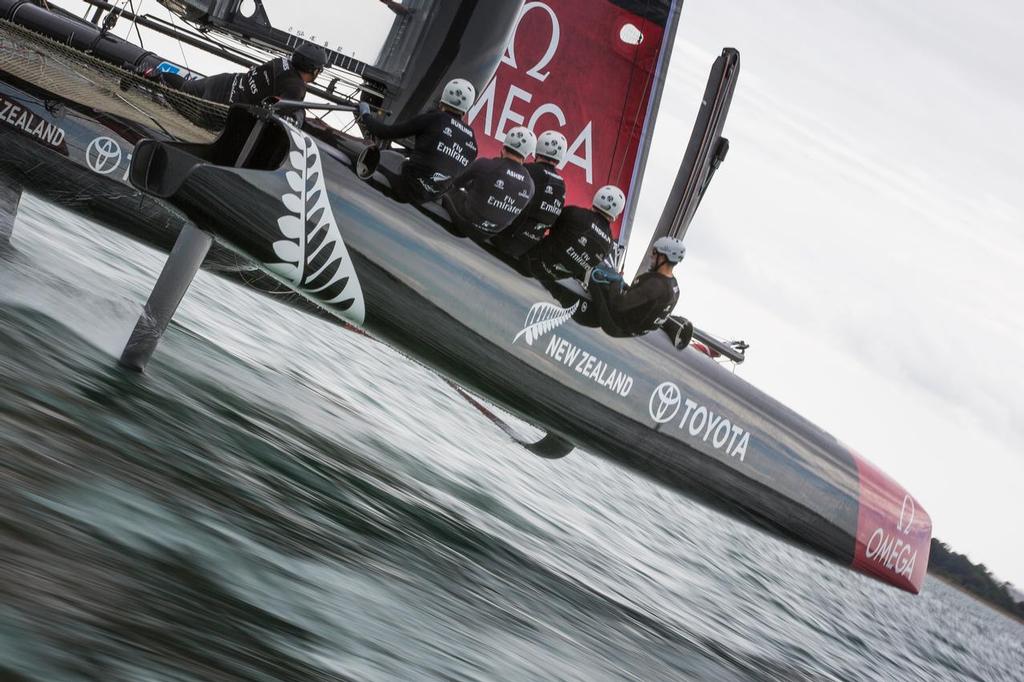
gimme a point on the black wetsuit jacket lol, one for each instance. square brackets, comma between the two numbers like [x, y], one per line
[579, 240]
[444, 148]
[275, 78]
[528, 229]
[489, 196]
[640, 308]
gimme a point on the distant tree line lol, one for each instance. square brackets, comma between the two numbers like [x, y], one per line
[973, 578]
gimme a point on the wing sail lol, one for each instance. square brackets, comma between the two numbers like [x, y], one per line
[593, 70]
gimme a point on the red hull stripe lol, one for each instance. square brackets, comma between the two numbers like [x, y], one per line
[893, 531]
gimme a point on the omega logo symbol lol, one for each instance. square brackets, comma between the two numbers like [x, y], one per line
[665, 402]
[905, 522]
[510, 53]
[103, 155]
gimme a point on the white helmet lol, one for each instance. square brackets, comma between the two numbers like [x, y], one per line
[521, 140]
[552, 144]
[671, 248]
[459, 94]
[610, 200]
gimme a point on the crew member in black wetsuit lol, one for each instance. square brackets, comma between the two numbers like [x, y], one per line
[643, 307]
[528, 229]
[444, 145]
[579, 240]
[281, 78]
[493, 192]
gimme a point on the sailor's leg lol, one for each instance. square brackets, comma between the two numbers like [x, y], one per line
[394, 171]
[393, 182]
[10, 199]
[187, 255]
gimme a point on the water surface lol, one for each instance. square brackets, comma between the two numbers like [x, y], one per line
[280, 500]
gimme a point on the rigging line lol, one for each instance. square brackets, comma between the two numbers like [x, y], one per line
[642, 104]
[120, 10]
[110, 21]
[622, 114]
[181, 47]
[622, 117]
[146, 114]
[135, 23]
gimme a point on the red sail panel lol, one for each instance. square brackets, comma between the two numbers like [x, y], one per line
[586, 68]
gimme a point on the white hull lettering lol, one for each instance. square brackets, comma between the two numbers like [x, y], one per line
[891, 553]
[27, 122]
[589, 366]
[700, 422]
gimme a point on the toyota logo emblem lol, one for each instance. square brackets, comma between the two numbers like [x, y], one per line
[665, 402]
[103, 155]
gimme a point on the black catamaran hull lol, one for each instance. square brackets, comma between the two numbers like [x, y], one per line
[314, 227]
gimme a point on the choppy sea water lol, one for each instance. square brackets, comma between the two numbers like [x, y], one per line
[280, 500]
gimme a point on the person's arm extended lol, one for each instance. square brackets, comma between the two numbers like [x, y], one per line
[625, 301]
[377, 128]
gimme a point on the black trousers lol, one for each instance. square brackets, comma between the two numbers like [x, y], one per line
[401, 189]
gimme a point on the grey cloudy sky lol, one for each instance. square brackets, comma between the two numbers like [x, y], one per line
[866, 233]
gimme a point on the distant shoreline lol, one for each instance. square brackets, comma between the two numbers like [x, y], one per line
[975, 580]
[960, 588]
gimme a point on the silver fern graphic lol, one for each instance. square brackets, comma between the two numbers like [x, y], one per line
[543, 318]
[313, 255]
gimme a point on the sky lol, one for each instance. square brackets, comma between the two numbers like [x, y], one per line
[865, 234]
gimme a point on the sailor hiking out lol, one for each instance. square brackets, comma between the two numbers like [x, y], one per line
[642, 307]
[444, 146]
[492, 193]
[283, 78]
[529, 228]
[579, 240]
